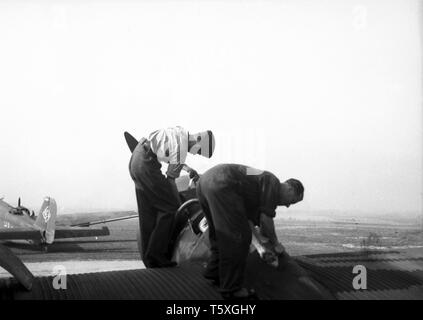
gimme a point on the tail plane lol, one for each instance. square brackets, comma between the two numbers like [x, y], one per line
[46, 219]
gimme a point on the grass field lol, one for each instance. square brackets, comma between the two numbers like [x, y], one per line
[301, 237]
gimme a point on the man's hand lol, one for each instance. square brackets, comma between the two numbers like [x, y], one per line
[269, 257]
[194, 175]
[279, 248]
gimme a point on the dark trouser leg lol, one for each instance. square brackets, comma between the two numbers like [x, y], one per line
[158, 246]
[147, 221]
[212, 269]
[157, 206]
[233, 236]
[165, 204]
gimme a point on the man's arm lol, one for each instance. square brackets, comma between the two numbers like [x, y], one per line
[267, 228]
[192, 173]
[174, 189]
[257, 240]
[186, 168]
[173, 172]
[259, 243]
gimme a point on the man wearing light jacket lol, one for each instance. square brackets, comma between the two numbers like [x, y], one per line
[157, 195]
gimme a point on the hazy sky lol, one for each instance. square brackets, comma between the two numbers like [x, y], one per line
[329, 92]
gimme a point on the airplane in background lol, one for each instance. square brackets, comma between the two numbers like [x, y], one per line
[19, 223]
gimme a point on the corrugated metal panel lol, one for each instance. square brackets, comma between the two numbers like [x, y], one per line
[149, 284]
[393, 276]
[185, 282]
[384, 281]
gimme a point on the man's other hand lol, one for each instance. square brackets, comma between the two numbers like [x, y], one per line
[279, 248]
[194, 175]
[270, 258]
[268, 255]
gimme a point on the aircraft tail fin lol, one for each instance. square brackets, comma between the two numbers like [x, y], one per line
[46, 219]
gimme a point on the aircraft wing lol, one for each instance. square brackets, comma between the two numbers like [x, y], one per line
[60, 233]
[77, 232]
[92, 218]
[19, 234]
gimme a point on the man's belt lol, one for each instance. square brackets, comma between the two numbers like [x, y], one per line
[145, 144]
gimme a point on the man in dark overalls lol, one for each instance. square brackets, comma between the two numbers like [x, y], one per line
[235, 198]
[157, 195]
